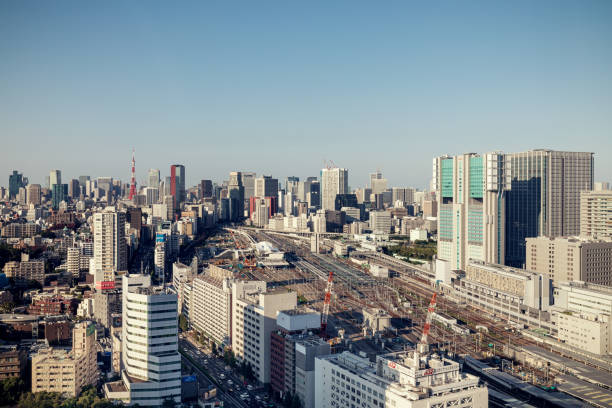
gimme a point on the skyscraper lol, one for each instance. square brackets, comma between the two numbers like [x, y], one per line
[333, 181]
[235, 192]
[33, 194]
[489, 204]
[74, 190]
[291, 185]
[248, 181]
[15, 183]
[110, 250]
[207, 189]
[266, 186]
[471, 212]
[544, 198]
[59, 193]
[55, 177]
[177, 184]
[154, 178]
[378, 184]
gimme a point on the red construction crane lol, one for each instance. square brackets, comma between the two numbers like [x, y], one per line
[327, 301]
[430, 310]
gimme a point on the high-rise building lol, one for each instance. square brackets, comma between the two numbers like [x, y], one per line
[596, 214]
[55, 177]
[211, 305]
[378, 184]
[235, 192]
[333, 181]
[544, 198]
[83, 180]
[159, 256]
[177, 184]
[345, 200]
[248, 182]
[151, 361]
[59, 193]
[153, 178]
[405, 195]
[151, 194]
[206, 186]
[74, 189]
[401, 380]
[33, 194]
[110, 250]
[16, 181]
[291, 184]
[266, 186]
[380, 222]
[254, 314]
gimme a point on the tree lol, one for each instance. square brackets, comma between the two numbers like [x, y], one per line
[183, 324]
[10, 390]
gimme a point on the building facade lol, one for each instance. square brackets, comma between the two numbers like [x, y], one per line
[596, 214]
[334, 181]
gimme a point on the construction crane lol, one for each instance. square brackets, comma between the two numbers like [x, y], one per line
[423, 346]
[326, 302]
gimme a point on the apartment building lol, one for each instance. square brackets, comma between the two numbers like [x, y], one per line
[211, 304]
[596, 214]
[67, 372]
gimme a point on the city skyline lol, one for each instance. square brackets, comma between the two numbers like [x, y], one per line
[388, 88]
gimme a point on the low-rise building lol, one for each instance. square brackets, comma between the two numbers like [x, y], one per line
[13, 361]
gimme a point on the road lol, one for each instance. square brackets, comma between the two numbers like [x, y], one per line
[229, 385]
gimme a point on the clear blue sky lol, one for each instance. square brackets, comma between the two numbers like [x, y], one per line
[277, 87]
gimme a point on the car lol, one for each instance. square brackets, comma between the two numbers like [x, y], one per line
[258, 397]
[250, 387]
[222, 376]
[230, 382]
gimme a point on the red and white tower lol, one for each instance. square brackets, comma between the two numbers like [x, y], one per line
[133, 184]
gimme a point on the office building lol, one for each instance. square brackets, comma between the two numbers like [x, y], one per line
[345, 200]
[380, 222]
[404, 195]
[153, 178]
[565, 259]
[33, 194]
[266, 186]
[235, 192]
[206, 186]
[151, 361]
[334, 181]
[159, 257]
[211, 304]
[110, 249]
[253, 319]
[59, 193]
[471, 190]
[248, 182]
[55, 177]
[430, 208]
[596, 214]
[583, 318]
[151, 196]
[67, 372]
[74, 189]
[401, 380]
[544, 198]
[177, 185]
[16, 181]
[292, 185]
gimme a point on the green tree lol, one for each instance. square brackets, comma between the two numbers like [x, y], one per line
[10, 390]
[183, 324]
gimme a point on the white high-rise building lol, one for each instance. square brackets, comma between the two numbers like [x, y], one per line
[154, 178]
[380, 222]
[110, 250]
[159, 256]
[334, 181]
[399, 380]
[73, 261]
[152, 194]
[55, 177]
[253, 319]
[152, 363]
[211, 304]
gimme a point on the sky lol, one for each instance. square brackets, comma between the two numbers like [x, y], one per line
[283, 87]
